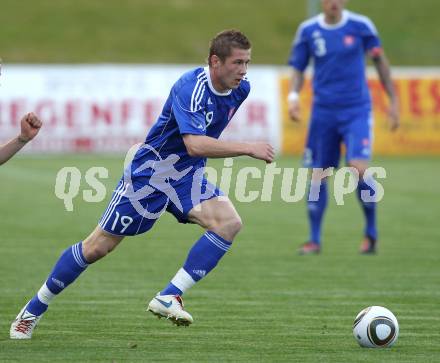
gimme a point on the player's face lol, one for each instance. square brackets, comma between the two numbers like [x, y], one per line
[333, 8]
[228, 74]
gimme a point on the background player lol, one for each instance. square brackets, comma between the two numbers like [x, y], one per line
[199, 106]
[30, 126]
[337, 41]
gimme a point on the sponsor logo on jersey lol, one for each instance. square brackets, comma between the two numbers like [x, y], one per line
[348, 40]
[316, 34]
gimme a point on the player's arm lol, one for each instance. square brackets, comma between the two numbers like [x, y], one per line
[298, 60]
[191, 120]
[30, 125]
[383, 70]
[206, 146]
[296, 84]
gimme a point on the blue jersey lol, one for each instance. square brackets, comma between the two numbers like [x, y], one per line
[193, 107]
[338, 52]
[163, 176]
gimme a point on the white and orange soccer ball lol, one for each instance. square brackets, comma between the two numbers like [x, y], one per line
[376, 327]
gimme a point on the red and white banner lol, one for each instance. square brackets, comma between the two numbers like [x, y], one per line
[108, 108]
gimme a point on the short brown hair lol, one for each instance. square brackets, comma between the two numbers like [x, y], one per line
[221, 45]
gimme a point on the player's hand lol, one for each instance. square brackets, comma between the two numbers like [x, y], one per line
[394, 116]
[262, 151]
[294, 110]
[30, 126]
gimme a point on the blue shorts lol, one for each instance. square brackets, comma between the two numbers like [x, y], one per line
[329, 128]
[132, 211]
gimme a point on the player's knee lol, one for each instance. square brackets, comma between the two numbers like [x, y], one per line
[97, 251]
[361, 172]
[229, 227]
[96, 247]
[236, 225]
[361, 167]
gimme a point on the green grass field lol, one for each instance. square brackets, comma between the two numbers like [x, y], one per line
[178, 31]
[262, 303]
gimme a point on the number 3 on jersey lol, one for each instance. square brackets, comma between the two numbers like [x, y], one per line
[320, 48]
[125, 221]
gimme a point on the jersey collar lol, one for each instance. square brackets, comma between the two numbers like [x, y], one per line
[341, 23]
[211, 87]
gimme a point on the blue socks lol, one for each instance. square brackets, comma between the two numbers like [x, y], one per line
[171, 289]
[369, 207]
[205, 254]
[68, 267]
[202, 258]
[316, 205]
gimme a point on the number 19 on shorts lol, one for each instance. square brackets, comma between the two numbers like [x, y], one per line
[125, 222]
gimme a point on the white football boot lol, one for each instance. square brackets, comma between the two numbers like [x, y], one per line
[23, 325]
[170, 307]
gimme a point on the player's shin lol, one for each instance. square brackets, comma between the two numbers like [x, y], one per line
[202, 258]
[316, 205]
[68, 267]
[366, 194]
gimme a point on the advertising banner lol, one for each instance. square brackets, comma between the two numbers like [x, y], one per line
[419, 134]
[108, 108]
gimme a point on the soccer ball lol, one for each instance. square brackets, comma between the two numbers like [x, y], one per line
[375, 327]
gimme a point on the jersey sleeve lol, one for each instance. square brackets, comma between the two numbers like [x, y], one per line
[299, 54]
[370, 36]
[188, 110]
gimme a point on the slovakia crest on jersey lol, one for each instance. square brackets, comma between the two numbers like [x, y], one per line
[348, 40]
[231, 113]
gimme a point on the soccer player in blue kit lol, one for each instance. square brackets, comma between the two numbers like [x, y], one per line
[167, 174]
[337, 41]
